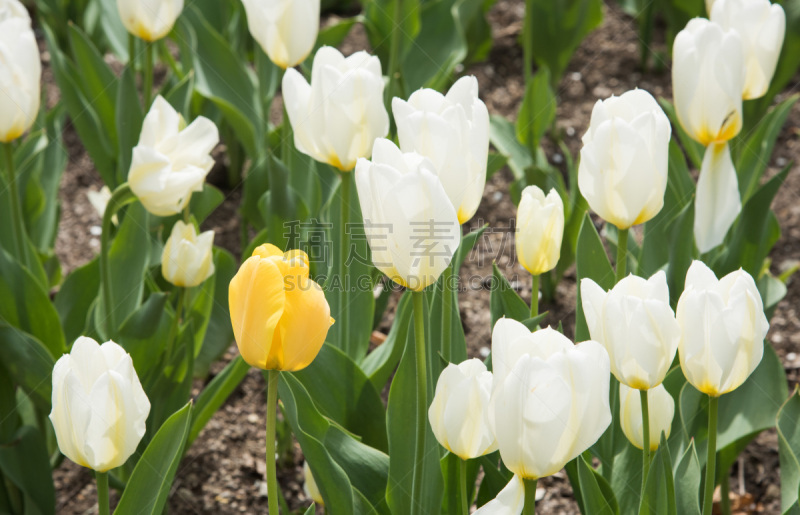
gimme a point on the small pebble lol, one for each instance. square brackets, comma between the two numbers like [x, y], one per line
[558, 159]
[570, 131]
[497, 197]
[791, 356]
[781, 162]
[540, 494]
[95, 230]
[576, 76]
[252, 418]
[484, 352]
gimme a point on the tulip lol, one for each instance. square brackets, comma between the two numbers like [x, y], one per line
[551, 403]
[99, 406]
[762, 26]
[310, 486]
[661, 411]
[188, 258]
[709, 6]
[708, 77]
[459, 413]
[285, 29]
[623, 168]
[453, 132]
[723, 326]
[20, 69]
[540, 227]
[411, 226]
[171, 161]
[339, 115]
[280, 316]
[510, 500]
[149, 20]
[636, 325]
[717, 201]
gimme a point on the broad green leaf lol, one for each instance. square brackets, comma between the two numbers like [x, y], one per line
[25, 463]
[149, 323]
[503, 137]
[385, 19]
[215, 394]
[596, 493]
[687, 482]
[659, 493]
[128, 123]
[538, 110]
[681, 252]
[28, 362]
[380, 364]
[75, 297]
[114, 30]
[772, 291]
[592, 262]
[9, 418]
[788, 422]
[504, 301]
[180, 95]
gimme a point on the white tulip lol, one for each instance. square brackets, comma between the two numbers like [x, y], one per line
[99, 406]
[661, 410]
[708, 77]
[549, 405]
[285, 29]
[623, 168]
[540, 228]
[149, 20]
[762, 26]
[459, 413]
[411, 226]
[171, 160]
[188, 258]
[636, 325]
[453, 132]
[723, 327]
[717, 202]
[509, 501]
[310, 486]
[20, 71]
[337, 117]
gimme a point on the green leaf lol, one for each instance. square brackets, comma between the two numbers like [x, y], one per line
[687, 482]
[789, 448]
[681, 252]
[379, 365]
[215, 394]
[28, 362]
[495, 478]
[504, 301]
[503, 136]
[148, 488]
[693, 149]
[596, 493]
[149, 323]
[25, 463]
[129, 118]
[382, 18]
[659, 493]
[538, 110]
[592, 262]
[74, 300]
[180, 95]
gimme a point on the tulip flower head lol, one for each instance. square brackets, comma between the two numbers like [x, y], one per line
[453, 132]
[636, 325]
[171, 160]
[623, 168]
[310, 486]
[99, 406]
[540, 228]
[459, 413]
[20, 71]
[509, 501]
[285, 29]
[337, 117]
[661, 410]
[149, 20]
[723, 327]
[762, 26]
[188, 258]
[280, 316]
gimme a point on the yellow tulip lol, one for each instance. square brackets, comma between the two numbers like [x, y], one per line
[280, 316]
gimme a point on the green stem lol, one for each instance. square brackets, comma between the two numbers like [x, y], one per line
[272, 415]
[535, 297]
[394, 56]
[102, 492]
[121, 196]
[173, 329]
[645, 438]
[646, 34]
[462, 484]
[287, 141]
[527, 47]
[147, 87]
[725, 491]
[422, 392]
[344, 246]
[447, 312]
[170, 60]
[711, 457]
[530, 497]
[18, 220]
[622, 253]
[132, 52]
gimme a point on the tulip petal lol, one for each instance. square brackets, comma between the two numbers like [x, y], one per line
[717, 204]
[304, 324]
[510, 500]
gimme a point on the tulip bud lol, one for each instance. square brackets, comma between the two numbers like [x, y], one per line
[708, 79]
[285, 29]
[453, 132]
[339, 115]
[99, 406]
[723, 327]
[717, 202]
[636, 325]
[188, 258]
[661, 410]
[171, 160]
[459, 413]
[149, 20]
[761, 25]
[509, 501]
[550, 400]
[20, 69]
[280, 316]
[310, 486]
[623, 168]
[540, 228]
[411, 226]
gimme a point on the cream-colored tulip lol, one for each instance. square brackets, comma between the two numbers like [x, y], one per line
[453, 132]
[708, 74]
[171, 160]
[623, 168]
[337, 117]
[285, 29]
[717, 202]
[149, 20]
[550, 400]
[99, 406]
[411, 226]
[459, 413]
[20, 71]
[762, 26]
[509, 501]
[661, 410]
[723, 327]
[540, 228]
[636, 325]
[310, 486]
[188, 258]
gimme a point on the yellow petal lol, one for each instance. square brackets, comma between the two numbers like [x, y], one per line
[304, 325]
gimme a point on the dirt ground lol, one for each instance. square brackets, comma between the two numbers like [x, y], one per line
[223, 472]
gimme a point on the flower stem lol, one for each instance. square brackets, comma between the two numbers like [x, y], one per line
[147, 87]
[422, 392]
[725, 494]
[622, 253]
[17, 223]
[102, 493]
[645, 437]
[121, 196]
[173, 330]
[462, 484]
[132, 52]
[535, 297]
[394, 55]
[447, 312]
[530, 497]
[272, 415]
[711, 457]
[344, 245]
